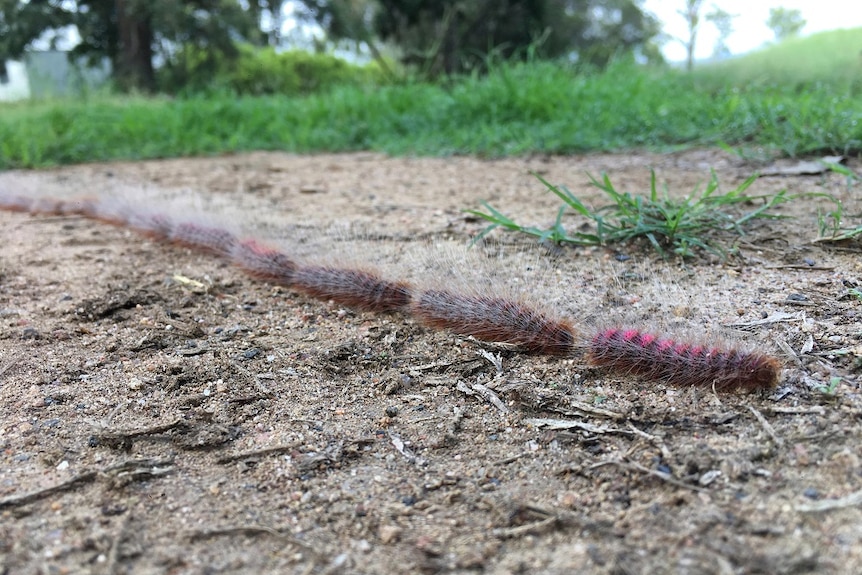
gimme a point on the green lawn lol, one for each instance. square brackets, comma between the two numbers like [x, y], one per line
[520, 108]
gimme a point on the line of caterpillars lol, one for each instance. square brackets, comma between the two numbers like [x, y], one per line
[630, 352]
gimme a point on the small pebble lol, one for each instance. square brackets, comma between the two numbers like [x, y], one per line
[709, 477]
[113, 510]
[569, 500]
[392, 411]
[30, 333]
[389, 533]
[811, 493]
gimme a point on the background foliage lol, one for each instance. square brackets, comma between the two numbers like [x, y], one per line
[264, 71]
[433, 37]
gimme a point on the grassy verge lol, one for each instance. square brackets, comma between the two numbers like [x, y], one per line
[538, 107]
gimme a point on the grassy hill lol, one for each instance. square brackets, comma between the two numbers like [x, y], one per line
[833, 57]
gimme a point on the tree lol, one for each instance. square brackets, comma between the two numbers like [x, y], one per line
[785, 23]
[596, 31]
[349, 20]
[267, 14]
[723, 22]
[132, 33]
[452, 36]
[691, 13]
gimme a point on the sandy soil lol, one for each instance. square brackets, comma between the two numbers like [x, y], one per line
[161, 412]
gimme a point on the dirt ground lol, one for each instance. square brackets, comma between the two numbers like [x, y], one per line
[161, 412]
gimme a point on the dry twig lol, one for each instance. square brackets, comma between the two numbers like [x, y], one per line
[767, 427]
[256, 453]
[632, 466]
[851, 500]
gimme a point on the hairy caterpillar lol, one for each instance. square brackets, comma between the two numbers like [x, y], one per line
[662, 359]
[622, 350]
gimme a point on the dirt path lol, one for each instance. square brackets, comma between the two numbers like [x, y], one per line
[197, 421]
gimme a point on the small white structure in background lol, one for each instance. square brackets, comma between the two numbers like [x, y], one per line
[49, 74]
[14, 82]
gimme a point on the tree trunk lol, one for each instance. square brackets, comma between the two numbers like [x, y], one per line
[451, 45]
[689, 58]
[133, 61]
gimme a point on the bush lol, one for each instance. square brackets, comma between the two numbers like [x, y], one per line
[263, 71]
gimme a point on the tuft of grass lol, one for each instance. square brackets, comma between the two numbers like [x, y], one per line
[671, 225]
[851, 176]
[846, 234]
[829, 390]
[831, 226]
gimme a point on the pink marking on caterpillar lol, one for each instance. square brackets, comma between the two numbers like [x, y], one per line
[628, 352]
[263, 263]
[633, 352]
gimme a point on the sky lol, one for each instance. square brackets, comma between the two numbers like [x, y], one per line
[750, 29]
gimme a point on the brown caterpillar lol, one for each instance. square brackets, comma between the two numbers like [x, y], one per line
[625, 351]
